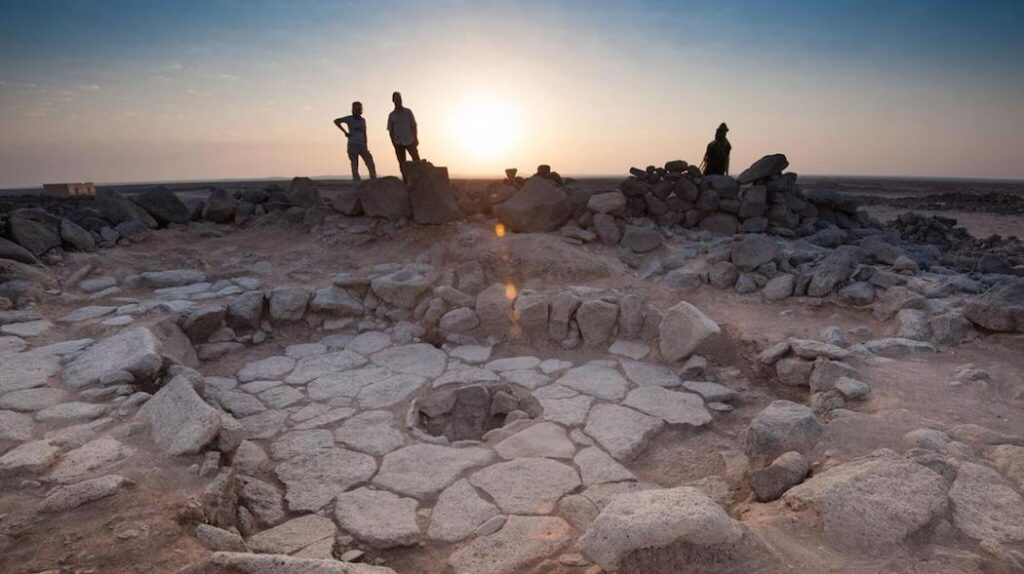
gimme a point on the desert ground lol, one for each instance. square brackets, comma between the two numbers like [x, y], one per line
[655, 374]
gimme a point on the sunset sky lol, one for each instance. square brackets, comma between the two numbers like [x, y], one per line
[138, 90]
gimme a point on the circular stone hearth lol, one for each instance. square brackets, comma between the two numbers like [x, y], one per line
[469, 412]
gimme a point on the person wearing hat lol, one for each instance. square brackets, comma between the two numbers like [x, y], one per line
[716, 158]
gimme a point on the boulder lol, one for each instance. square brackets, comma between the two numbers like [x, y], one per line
[752, 251]
[431, 195]
[180, 421]
[13, 251]
[612, 202]
[783, 473]
[764, 168]
[34, 229]
[135, 350]
[303, 193]
[539, 206]
[683, 330]
[288, 303]
[871, 502]
[781, 427]
[657, 519]
[163, 205]
[73, 235]
[834, 269]
[401, 288]
[1001, 308]
[119, 209]
[640, 239]
[220, 207]
[720, 223]
[385, 197]
[596, 320]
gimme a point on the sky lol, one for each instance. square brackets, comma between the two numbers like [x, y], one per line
[139, 90]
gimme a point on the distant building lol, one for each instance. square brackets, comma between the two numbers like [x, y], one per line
[69, 189]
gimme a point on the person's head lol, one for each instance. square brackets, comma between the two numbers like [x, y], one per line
[357, 109]
[397, 99]
[721, 131]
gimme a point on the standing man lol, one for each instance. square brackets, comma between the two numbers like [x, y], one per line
[716, 158]
[357, 141]
[402, 127]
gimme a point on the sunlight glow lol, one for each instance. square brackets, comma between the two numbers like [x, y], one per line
[485, 127]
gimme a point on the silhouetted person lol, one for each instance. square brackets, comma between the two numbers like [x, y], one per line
[716, 158]
[357, 141]
[402, 127]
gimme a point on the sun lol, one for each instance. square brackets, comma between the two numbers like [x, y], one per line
[485, 127]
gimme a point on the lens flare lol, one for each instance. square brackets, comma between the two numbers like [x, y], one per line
[510, 291]
[499, 229]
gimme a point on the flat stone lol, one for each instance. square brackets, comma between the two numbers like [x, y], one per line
[257, 387]
[71, 412]
[513, 363]
[92, 457]
[527, 485]
[465, 374]
[304, 350]
[15, 428]
[238, 403]
[264, 425]
[380, 519]
[269, 368]
[522, 541]
[552, 366]
[596, 467]
[30, 400]
[711, 392]
[657, 519]
[180, 421]
[423, 470]
[459, 511]
[294, 535]
[27, 371]
[345, 384]
[369, 343]
[313, 479]
[416, 359]
[540, 440]
[62, 348]
[622, 431]
[77, 435]
[213, 538]
[86, 314]
[526, 378]
[595, 380]
[389, 391]
[250, 459]
[372, 432]
[171, 278]
[312, 368]
[472, 354]
[328, 418]
[135, 350]
[245, 563]
[72, 496]
[10, 345]
[671, 406]
[27, 329]
[281, 397]
[635, 350]
[810, 349]
[30, 458]
[646, 374]
[294, 443]
[563, 405]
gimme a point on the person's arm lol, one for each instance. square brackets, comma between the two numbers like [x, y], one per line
[340, 121]
[391, 127]
[415, 133]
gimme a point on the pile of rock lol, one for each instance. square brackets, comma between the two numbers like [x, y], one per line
[429, 199]
[818, 366]
[958, 248]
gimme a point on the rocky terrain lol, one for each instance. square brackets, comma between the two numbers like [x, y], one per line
[674, 373]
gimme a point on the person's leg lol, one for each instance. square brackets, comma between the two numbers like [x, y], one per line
[353, 156]
[400, 152]
[368, 160]
[414, 152]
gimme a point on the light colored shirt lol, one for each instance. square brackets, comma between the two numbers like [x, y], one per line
[400, 124]
[356, 130]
